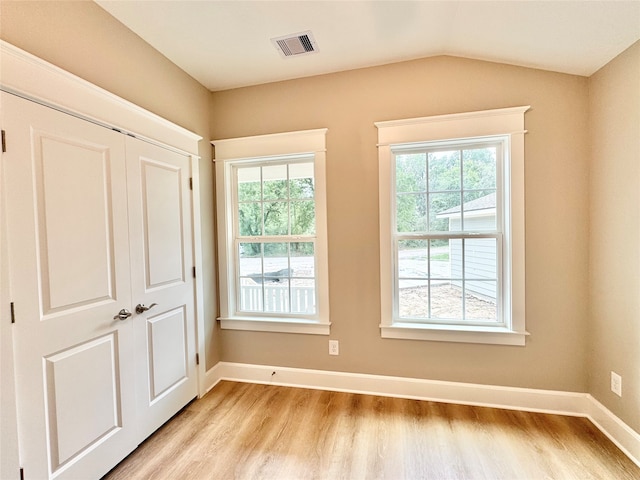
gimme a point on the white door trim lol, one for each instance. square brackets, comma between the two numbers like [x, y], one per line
[28, 76]
[9, 464]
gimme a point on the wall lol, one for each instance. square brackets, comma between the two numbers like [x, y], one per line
[614, 343]
[83, 39]
[348, 103]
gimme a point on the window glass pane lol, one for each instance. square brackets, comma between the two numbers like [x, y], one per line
[455, 260]
[480, 300]
[413, 299]
[274, 182]
[302, 260]
[301, 180]
[444, 212]
[248, 184]
[411, 212]
[480, 259]
[251, 296]
[277, 271]
[279, 281]
[411, 173]
[446, 301]
[250, 219]
[303, 286]
[276, 298]
[412, 259]
[479, 165]
[444, 171]
[250, 255]
[303, 217]
[275, 250]
[479, 210]
[440, 258]
[276, 218]
[276, 277]
[303, 296]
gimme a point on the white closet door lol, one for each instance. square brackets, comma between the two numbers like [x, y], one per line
[161, 274]
[69, 259]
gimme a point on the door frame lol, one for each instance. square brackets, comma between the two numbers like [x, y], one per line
[34, 79]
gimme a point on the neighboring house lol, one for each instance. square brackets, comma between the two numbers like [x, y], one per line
[479, 214]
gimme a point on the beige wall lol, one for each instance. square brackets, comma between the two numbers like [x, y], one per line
[556, 216]
[614, 342]
[83, 39]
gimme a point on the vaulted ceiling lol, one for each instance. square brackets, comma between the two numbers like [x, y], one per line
[227, 44]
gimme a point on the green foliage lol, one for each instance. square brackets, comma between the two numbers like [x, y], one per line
[275, 207]
[436, 181]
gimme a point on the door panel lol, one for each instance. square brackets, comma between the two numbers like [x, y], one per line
[83, 405]
[73, 176]
[161, 262]
[68, 245]
[163, 223]
[168, 350]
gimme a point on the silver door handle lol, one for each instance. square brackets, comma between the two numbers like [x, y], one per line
[141, 308]
[122, 314]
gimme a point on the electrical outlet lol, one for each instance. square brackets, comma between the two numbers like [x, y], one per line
[334, 347]
[616, 384]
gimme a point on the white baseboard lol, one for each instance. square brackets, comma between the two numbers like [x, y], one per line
[627, 439]
[212, 378]
[524, 399]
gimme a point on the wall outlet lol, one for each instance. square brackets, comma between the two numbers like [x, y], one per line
[616, 384]
[334, 347]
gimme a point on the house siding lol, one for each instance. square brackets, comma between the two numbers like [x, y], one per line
[480, 259]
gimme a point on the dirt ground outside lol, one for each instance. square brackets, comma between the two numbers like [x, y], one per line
[446, 302]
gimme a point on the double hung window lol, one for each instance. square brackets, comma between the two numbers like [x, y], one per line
[275, 220]
[448, 234]
[272, 221]
[452, 227]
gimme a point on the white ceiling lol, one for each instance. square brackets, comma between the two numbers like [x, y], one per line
[226, 44]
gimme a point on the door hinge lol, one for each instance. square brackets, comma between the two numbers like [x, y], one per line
[13, 313]
[4, 142]
[197, 359]
[194, 272]
[190, 180]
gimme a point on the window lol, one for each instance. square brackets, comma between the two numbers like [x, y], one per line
[452, 227]
[272, 232]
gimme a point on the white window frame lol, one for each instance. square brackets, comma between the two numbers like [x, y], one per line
[277, 148]
[507, 125]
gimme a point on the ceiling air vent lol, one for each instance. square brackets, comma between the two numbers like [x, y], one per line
[296, 44]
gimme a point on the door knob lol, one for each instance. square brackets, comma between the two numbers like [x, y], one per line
[122, 314]
[141, 308]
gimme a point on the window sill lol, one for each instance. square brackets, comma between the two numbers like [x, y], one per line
[452, 333]
[282, 325]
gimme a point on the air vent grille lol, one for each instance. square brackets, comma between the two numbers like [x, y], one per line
[295, 44]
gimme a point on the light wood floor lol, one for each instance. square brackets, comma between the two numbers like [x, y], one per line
[246, 431]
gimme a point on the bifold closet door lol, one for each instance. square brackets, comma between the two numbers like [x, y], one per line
[67, 223]
[162, 281]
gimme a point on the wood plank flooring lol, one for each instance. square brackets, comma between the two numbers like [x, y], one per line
[248, 431]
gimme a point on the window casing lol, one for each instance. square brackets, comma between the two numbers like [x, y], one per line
[272, 232]
[452, 227]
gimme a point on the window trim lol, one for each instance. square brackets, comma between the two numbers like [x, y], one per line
[505, 122]
[263, 148]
